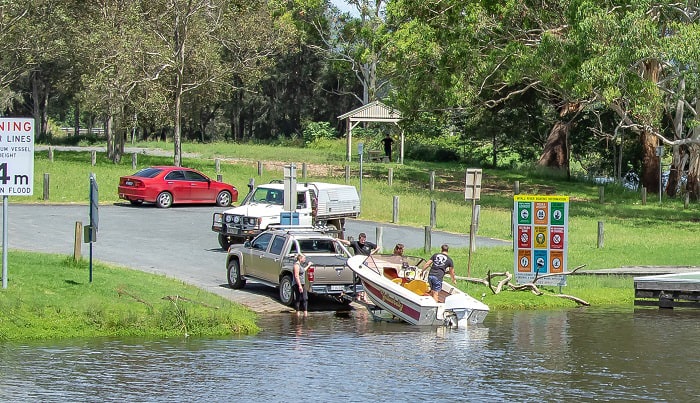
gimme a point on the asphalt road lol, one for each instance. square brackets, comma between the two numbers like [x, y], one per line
[176, 242]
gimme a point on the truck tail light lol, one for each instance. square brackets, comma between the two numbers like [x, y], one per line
[310, 274]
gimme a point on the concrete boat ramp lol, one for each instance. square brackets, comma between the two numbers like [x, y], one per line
[662, 286]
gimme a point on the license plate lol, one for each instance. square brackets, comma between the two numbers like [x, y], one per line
[337, 287]
[129, 183]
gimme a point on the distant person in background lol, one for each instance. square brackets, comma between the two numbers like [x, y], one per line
[441, 265]
[361, 246]
[387, 141]
[398, 249]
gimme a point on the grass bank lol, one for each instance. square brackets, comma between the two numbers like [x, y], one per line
[51, 297]
[635, 233]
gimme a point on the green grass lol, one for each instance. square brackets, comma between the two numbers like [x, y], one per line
[635, 234]
[50, 297]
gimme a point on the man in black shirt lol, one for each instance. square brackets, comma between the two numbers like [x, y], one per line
[441, 265]
[361, 246]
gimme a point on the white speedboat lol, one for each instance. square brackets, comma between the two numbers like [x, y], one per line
[397, 285]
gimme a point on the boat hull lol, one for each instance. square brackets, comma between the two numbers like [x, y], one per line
[396, 297]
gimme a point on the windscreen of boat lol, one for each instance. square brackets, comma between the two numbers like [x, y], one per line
[378, 262]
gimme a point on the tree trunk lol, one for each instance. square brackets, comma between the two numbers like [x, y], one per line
[650, 162]
[76, 120]
[556, 149]
[693, 184]
[109, 131]
[40, 100]
[177, 154]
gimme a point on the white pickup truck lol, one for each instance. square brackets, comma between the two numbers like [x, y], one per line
[318, 204]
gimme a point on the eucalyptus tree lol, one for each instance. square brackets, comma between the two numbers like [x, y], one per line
[116, 53]
[358, 41]
[47, 52]
[202, 42]
[643, 65]
[13, 43]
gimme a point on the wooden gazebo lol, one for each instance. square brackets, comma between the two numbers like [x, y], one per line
[372, 112]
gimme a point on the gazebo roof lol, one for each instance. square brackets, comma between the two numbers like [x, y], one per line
[373, 112]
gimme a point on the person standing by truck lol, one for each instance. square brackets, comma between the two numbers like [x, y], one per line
[301, 296]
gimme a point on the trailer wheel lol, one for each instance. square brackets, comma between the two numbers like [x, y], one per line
[286, 291]
[235, 280]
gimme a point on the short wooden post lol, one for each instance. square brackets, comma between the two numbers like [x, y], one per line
[601, 235]
[432, 181]
[93, 157]
[134, 160]
[78, 241]
[303, 170]
[428, 241]
[219, 178]
[601, 194]
[391, 176]
[512, 223]
[51, 154]
[644, 196]
[260, 168]
[433, 213]
[516, 187]
[217, 164]
[46, 186]
[395, 214]
[379, 237]
[686, 200]
[347, 174]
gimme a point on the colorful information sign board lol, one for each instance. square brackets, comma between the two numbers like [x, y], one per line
[541, 227]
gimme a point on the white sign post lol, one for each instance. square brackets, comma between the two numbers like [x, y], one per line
[472, 192]
[16, 169]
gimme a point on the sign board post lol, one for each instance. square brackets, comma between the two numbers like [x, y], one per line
[660, 154]
[541, 241]
[360, 152]
[289, 216]
[91, 230]
[16, 169]
[472, 191]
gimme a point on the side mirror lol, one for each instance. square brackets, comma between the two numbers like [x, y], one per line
[246, 244]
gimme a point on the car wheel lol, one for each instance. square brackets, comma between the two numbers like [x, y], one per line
[136, 202]
[286, 293]
[164, 200]
[235, 280]
[224, 241]
[223, 199]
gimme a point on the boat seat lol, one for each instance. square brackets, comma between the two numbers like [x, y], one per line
[391, 273]
[419, 287]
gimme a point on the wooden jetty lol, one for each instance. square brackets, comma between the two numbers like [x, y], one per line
[668, 290]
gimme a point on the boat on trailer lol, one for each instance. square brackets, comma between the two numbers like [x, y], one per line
[398, 288]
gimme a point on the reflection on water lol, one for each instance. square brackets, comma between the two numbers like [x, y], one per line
[578, 354]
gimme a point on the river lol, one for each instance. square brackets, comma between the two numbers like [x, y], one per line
[580, 354]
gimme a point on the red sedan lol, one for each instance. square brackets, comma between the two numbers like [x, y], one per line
[165, 185]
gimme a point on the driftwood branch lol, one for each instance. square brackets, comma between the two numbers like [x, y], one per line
[121, 292]
[566, 273]
[532, 287]
[175, 298]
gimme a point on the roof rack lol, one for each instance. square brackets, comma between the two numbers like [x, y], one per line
[293, 228]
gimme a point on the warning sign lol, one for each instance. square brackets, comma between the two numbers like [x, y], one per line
[541, 227]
